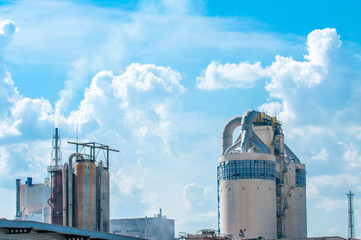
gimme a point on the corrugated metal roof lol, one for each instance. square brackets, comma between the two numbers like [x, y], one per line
[38, 229]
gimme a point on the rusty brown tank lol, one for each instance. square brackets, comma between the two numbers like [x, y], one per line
[85, 195]
[56, 199]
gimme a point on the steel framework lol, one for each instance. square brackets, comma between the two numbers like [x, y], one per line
[351, 222]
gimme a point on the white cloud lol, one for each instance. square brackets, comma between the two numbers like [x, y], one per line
[329, 204]
[17, 111]
[288, 78]
[127, 186]
[351, 155]
[75, 79]
[323, 155]
[7, 30]
[319, 44]
[319, 186]
[138, 100]
[242, 75]
[195, 196]
[334, 180]
[7, 130]
[4, 157]
[140, 133]
[332, 231]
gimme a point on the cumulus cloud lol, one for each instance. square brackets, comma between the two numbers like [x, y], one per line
[18, 112]
[329, 204]
[351, 155]
[4, 156]
[333, 180]
[75, 79]
[289, 80]
[139, 100]
[242, 75]
[127, 186]
[323, 155]
[195, 196]
[7, 30]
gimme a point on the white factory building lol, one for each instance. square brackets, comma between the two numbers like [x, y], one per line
[158, 227]
[32, 200]
[261, 183]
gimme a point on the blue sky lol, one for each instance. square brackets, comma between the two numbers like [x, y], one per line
[158, 80]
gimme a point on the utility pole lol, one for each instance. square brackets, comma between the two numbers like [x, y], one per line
[351, 222]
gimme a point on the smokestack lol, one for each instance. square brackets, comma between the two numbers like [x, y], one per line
[56, 139]
[55, 169]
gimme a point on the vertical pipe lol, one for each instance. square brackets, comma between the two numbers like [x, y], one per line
[70, 191]
[146, 228]
[106, 199]
[108, 157]
[65, 194]
[100, 193]
[18, 183]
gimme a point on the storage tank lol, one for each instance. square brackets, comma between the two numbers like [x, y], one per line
[86, 191]
[85, 194]
[56, 199]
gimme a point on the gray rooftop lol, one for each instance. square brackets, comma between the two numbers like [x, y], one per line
[14, 229]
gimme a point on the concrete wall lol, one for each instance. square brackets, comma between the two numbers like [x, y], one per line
[153, 228]
[296, 219]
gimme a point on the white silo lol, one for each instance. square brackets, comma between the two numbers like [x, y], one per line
[257, 196]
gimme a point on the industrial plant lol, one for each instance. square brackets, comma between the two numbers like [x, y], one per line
[261, 182]
[261, 192]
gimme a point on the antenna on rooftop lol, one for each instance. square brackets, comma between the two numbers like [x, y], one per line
[351, 222]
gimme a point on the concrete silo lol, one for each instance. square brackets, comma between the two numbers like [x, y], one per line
[257, 194]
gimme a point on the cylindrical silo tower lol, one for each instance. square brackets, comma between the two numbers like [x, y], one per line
[85, 194]
[254, 182]
[247, 195]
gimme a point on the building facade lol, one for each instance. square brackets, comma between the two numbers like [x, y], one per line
[32, 200]
[154, 228]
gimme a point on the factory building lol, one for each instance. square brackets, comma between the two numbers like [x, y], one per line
[31, 200]
[261, 182]
[154, 228]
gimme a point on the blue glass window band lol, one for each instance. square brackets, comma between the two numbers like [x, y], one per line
[300, 177]
[247, 169]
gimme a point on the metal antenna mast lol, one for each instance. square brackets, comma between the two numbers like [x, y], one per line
[351, 227]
